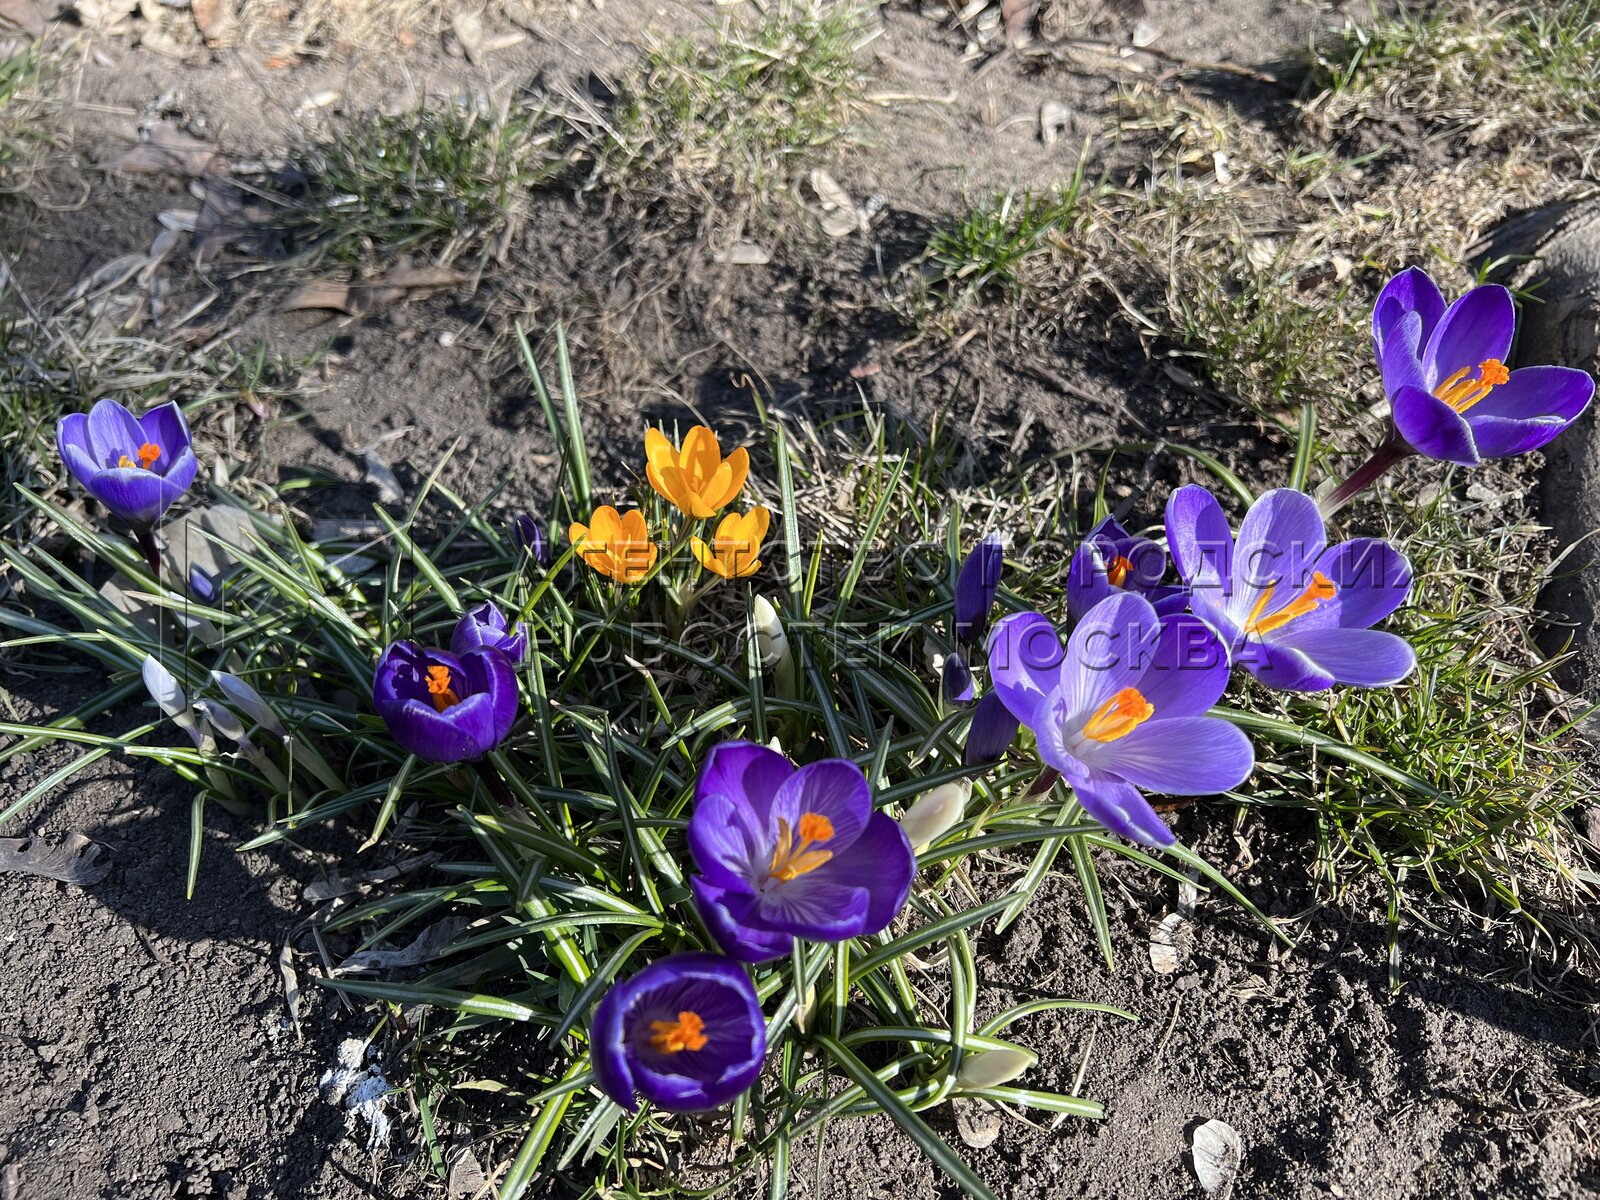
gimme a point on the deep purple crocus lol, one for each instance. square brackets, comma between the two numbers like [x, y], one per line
[976, 586]
[1122, 707]
[1444, 369]
[445, 707]
[484, 627]
[1110, 560]
[1293, 611]
[686, 1033]
[136, 466]
[786, 852]
[527, 537]
[993, 729]
[955, 679]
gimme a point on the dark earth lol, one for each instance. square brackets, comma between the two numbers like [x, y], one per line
[147, 1049]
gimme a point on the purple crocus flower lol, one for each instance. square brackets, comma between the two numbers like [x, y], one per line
[993, 729]
[484, 626]
[445, 707]
[686, 1033]
[1444, 370]
[955, 679]
[976, 585]
[1122, 707]
[1110, 560]
[136, 466]
[527, 537]
[786, 852]
[1293, 611]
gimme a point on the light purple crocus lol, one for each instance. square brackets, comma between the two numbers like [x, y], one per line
[686, 1033]
[1122, 707]
[1293, 611]
[1444, 370]
[484, 626]
[1109, 561]
[787, 852]
[137, 467]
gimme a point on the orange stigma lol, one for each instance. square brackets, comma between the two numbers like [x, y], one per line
[439, 688]
[1117, 572]
[1318, 591]
[791, 860]
[686, 1033]
[1119, 716]
[148, 453]
[1461, 393]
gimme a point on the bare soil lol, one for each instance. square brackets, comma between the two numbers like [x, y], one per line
[147, 1051]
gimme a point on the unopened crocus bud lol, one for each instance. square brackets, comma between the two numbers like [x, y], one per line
[202, 584]
[528, 537]
[170, 698]
[771, 641]
[245, 698]
[224, 721]
[976, 586]
[991, 1068]
[934, 813]
[956, 678]
[993, 729]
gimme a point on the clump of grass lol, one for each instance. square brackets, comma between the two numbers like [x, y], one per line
[1496, 76]
[449, 183]
[733, 120]
[33, 393]
[22, 136]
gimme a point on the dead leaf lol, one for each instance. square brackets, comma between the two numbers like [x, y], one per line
[230, 215]
[169, 150]
[381, 476]
[427, 946]
[24, 14]
[468, 28]
[1217, 1151]
[1018, 18]
[744, 254]
[1169, 943]
[103, 16]
[215, 19]
[359, 299]
[74, 860]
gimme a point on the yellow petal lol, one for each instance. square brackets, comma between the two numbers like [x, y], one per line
[701, 456]
[577, 534]
[702, 553]
[604, 526]
[659, 452]
[674, 488]
[749, 569]
[756, 523]
[738, 465]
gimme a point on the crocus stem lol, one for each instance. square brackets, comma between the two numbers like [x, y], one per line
[146, 538]
[497, 786]
[1390, 451]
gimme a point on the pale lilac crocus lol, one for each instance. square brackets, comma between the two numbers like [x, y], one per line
[1292, 610]
[1121, 708]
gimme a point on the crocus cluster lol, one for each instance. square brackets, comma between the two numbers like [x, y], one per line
[783, 852]
[697, 481]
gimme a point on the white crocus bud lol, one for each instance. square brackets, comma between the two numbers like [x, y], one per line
[169, 696]
[771, 641]
[223, 721]
[244, 697]
[991, 1068]
[934, 812]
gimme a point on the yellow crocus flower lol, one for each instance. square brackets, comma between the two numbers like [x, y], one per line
[735, 550]
[616, 544]
[696, 479]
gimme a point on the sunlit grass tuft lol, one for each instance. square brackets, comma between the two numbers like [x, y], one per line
[733, 120]
[449, 183]
[1491, 75]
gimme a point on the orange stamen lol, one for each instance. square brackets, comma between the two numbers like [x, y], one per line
[1117, 572]
[686, 1033]
[1320, 590]
[439, 688]
[791, 860]
[1119, 716]
[1461, 393]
